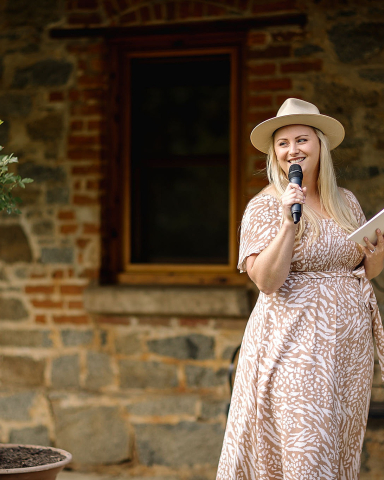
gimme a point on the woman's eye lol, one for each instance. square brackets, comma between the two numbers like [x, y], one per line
[281, 144]
[302, 140]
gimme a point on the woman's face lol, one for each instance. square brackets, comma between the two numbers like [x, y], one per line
[298, 144]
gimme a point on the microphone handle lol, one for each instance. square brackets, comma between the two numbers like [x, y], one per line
[296, 207]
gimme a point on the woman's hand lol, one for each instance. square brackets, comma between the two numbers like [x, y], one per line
[293, 194]
[374, 256]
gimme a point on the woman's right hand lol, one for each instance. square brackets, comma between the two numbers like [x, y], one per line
[293, 194]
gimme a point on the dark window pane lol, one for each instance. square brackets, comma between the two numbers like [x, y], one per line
[180, 160]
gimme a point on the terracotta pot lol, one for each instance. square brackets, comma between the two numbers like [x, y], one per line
[41, 472]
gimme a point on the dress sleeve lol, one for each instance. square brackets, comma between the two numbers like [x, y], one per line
[355, 207]
[260, 224]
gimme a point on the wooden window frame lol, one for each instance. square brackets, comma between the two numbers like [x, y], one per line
[117, 212]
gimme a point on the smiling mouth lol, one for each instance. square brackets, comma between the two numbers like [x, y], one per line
[297, 160]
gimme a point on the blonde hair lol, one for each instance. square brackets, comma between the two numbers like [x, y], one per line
[332, 200]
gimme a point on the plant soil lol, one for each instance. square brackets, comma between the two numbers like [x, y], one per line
[21, 457]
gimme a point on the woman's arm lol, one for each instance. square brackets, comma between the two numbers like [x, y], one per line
[269, 269]
[374, 256]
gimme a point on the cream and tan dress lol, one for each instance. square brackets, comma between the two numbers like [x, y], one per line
[303, 383]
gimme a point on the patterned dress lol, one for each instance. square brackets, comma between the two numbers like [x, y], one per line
[303, 383]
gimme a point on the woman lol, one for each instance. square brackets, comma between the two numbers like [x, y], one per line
[302, 390]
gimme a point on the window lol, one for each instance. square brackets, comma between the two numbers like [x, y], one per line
[177, 155]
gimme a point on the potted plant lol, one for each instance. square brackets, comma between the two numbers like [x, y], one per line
[8, 181]
[31, 462]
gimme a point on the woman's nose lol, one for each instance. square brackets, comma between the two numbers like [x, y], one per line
[293, 149]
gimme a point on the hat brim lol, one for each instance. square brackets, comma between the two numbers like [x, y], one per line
[261, 135]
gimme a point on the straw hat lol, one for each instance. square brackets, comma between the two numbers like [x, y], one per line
[297, 112]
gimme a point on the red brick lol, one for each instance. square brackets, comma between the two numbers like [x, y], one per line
[109, 7]
[47, 289]
[95, 125]
[74, 95]
[56, 96]
[86, 170]
[260, 101]
[145, 14]
[90, 274]
[280, 99]
[279, 51]
[37, 275]
[272, 84]
[84, 200]
[83, 140]
[72, 289]
[68, 229]
[93, 185]
[170, 9]
[258, 117]
[46, 304]
[128, 18]
[58, 274]
[256, 38]
[83, 154]
[82, 242]
[258, 182]
[184, 10]
[196, 9]
[40, 319]
[287, 36]
[71, 4]
[193, 322]
[123, 4]
[87, 49]
[76, 305]
[87, 4]
[302, 67]
[91, 80]
[84, 19]
[76, 125]
[274, 7]
[66, 215]
[95, 94]
[77, 319]
[215, 10]
[259, 164]
[81, 110]
[77, 185]
[90, 228]
[262, 69]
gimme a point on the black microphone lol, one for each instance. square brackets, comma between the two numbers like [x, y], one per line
[295, 175]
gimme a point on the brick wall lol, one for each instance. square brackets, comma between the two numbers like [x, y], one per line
[149, 381]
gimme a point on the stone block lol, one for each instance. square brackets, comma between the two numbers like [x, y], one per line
[58, 196]
[183, 444]
[41, 173]
[16, 406]
[164, 405]
[212, 408]
[38, 435]
[12, 309]
[14, 245]
[127, 344]
[307, 50]
[23, 371]
[94, 435]
[49, 128]
[203, 377]
[4, 134]
[45, 73]
[99, 370]
[57, 255]
[15, 105]
[44, 227]
[139, 374]
[372, 74]
[65, 372]
[195, 346]
[75, 338]
[25, 338]
[20, 13]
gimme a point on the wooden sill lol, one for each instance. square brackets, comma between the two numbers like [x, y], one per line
[181, 278]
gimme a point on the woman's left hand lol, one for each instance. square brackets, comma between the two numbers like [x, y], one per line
[374, 256]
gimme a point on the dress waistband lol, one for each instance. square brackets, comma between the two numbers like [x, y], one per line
[369, 299]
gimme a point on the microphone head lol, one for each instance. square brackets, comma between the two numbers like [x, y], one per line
[295, 171]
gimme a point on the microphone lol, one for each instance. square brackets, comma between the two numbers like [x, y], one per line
[295, 175]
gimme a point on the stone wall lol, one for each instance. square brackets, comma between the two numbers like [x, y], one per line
[147, 393]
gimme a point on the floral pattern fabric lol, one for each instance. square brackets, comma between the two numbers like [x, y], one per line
[301, 396]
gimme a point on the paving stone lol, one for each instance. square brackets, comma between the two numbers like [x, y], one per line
[25, 338]
[16, 406]
[41, 173]
[205, 377]
[45, 227]
[164, 405]
[147, 374]
[21, 371]
[57, 255]
[184, 444]
[127, 344]
[49, 128]
[12, 309]
[94, 435]
[99, 370]
[15, 105]
[65, 372]
[14, 245]
[195, 346]
[75, 338]
[45, 73]
[38, 435]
